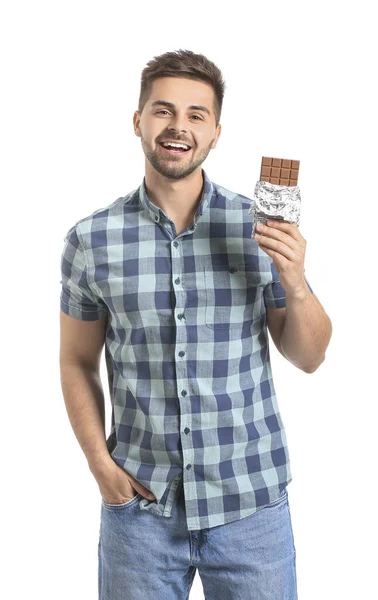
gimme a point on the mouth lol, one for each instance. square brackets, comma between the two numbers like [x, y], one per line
[176, 151]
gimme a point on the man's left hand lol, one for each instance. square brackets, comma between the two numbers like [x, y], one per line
[287, 247]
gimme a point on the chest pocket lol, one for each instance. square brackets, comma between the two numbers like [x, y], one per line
[229, 295]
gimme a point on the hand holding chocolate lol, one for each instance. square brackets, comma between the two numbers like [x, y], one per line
[276, 194]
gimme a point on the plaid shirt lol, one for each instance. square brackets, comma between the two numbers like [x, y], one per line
[187, 354]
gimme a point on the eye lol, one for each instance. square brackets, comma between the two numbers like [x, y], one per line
[165, 111]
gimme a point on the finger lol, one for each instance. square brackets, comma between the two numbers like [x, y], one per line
[290, 228]
[277, 246]
[276, 234]
[274, 255]
[145, 492]
[138, 487]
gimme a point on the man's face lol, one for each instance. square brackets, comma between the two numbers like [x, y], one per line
[192, 126]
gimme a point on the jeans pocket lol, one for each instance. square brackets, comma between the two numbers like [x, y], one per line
[111, 506]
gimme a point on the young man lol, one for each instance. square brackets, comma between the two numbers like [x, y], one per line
[169, 279]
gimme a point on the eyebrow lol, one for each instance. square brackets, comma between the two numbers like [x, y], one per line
[192, 107]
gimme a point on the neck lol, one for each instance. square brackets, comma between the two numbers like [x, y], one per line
[179, 199]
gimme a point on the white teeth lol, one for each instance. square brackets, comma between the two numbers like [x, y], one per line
[166, 144]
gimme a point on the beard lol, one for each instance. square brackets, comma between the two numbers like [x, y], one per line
[171, 167]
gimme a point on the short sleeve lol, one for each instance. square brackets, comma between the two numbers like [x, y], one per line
[274, 294]
[77, 299]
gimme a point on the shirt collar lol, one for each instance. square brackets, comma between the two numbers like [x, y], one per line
[157, 213]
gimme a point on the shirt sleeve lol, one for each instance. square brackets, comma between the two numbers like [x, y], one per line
[77, 299]
[274, 294]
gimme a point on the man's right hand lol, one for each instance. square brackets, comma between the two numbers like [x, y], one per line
[116, 485]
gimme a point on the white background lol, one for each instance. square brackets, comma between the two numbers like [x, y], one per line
[300, 82]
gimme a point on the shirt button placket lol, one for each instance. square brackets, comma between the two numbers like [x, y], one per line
[181, 339]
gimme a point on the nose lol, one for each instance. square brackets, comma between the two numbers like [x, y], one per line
[177, 123]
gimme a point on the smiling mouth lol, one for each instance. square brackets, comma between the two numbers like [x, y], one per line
[176, 152]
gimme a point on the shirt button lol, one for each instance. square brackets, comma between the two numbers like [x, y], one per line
[184, 393]
[233, 269]
[177, 280]
[175, 244]
[186, 430]
[180, 316]
[156, 218]
[181, 353]
[188, 466]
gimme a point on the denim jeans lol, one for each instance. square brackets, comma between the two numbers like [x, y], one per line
[143, 556]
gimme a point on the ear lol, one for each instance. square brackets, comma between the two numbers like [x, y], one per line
[136, 121]
[217, 134]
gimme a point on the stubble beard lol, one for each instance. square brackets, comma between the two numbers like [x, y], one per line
[172, 168]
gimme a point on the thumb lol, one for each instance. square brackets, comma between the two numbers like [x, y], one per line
[140, 488]
[145, 492]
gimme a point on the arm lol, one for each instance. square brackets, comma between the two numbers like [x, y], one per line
[301, 331]
[81, 344]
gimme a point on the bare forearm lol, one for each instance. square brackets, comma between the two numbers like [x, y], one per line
[84, 399]
[307, 331]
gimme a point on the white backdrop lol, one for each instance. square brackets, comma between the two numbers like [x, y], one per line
[300, 80]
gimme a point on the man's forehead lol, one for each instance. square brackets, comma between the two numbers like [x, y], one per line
[197, 92]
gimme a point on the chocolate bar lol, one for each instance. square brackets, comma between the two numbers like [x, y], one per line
[277, 195]
[280, 171]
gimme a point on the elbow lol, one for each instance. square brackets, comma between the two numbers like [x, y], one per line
[309, 369]
[313, 368]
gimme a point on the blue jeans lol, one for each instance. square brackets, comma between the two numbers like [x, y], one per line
[142, 556]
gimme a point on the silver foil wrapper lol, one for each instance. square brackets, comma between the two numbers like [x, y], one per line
[270, 201]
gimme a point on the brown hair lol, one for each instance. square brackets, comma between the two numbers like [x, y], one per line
[186, 64]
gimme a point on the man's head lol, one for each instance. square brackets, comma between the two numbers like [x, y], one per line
[180, 100]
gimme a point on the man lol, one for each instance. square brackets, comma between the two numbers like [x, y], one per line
[194, 471]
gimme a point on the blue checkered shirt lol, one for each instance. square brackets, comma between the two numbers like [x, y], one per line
[187, 352]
